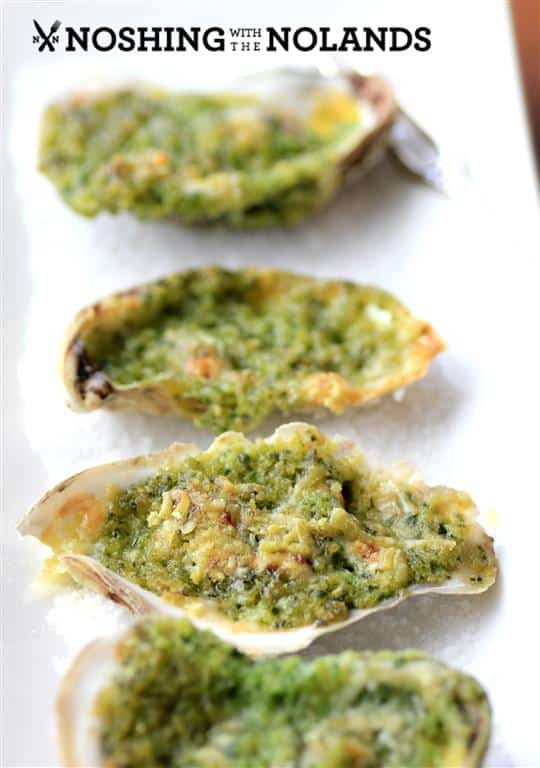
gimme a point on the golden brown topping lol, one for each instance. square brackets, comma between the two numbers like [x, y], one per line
[330, 390]
[204, 364]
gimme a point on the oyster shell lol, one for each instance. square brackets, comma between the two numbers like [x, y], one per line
[226, 348]
[111, 678]
[235, 159]
[304, 541]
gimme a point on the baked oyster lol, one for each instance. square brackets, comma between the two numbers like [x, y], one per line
[269, 543]
[226, 348]
[236, 159]
[166, 694]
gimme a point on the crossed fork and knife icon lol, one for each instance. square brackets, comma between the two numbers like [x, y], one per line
[47, 40]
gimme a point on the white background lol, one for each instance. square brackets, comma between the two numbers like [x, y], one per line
[469, 265]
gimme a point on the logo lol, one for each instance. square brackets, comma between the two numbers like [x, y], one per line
[187, 39]
[44, 40]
